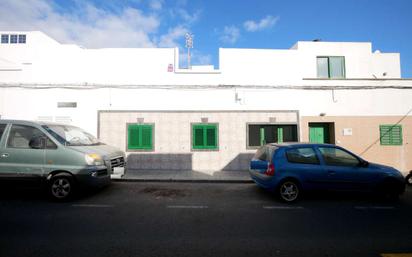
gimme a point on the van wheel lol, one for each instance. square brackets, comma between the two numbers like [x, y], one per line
[408, 179]
[61, 187]
[289, 191]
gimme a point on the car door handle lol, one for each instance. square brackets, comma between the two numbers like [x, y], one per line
[4, 155]
[331, 172]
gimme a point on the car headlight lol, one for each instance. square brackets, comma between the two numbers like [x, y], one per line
[93, 159]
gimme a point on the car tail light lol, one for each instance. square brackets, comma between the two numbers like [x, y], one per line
[270, 170]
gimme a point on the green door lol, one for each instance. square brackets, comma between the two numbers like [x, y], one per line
[319, 133]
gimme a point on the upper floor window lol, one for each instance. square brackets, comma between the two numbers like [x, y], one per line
[331, 66]
[22, 39]
[4, 39]
[13, 39]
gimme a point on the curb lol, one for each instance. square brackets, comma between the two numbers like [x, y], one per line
[226, 181]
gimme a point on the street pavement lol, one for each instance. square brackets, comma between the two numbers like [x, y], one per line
[201, 219]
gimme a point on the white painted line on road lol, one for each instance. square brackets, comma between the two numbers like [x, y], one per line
[283, 207]
[93, 205]
[187, 207]
[374, 207]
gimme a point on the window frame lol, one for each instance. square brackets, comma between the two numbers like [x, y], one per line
[141, 148]
[47, 146]
[328, 57]
[22, 39]
[2, 132]
[278, 125]
[340, 149]
[205, 147]
[12, 36]
[4, 36]
[391, 140]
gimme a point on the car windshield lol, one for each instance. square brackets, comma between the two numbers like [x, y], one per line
[70, 135]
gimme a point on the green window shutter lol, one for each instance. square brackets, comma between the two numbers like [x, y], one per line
[198, 140]
[133, 137]
[140, 137]
[146, 137]
[204, 136]
[262, 136]
[280, 135]
[390, 134]
[210, 137]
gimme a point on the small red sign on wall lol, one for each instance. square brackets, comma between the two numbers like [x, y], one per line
[170, 68]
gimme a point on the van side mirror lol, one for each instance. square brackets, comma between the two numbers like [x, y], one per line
[37, 143]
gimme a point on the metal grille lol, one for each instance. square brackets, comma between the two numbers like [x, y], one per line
[116, 162]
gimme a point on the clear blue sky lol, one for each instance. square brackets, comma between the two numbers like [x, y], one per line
[231, 24]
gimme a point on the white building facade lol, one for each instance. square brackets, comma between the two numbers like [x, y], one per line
[207, 119]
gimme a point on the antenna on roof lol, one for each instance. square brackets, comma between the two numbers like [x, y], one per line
[189, 44]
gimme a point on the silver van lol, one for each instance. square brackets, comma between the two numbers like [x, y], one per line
[62, 157]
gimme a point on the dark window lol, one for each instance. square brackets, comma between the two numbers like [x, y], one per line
[265, 153]
[140, 137]
[50, 144]
[338, 157]
[2, 128]
[302, 155]
[20, 136]
[22, 39]
[390, 134]
[205, 136]
[13, 39]
[4, 39]
[261, 134]
[331, 67]
[261, 154]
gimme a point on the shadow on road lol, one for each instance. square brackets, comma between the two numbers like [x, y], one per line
[23, 193]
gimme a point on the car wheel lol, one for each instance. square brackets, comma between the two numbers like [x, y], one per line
[289, 191]
[408, 179]
[61, 187]
[391, 190]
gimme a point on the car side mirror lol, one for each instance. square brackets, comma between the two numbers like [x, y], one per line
[363, 164]
[38, 143]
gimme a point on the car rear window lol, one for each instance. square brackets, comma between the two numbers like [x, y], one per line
[302, 155]
[2, 128]
[265, 153]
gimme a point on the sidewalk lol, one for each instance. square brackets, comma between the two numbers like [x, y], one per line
[185, 176]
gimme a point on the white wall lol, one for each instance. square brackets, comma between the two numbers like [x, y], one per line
[34, 103]
[43, 60]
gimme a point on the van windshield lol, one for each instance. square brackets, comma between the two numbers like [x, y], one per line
[70, 135]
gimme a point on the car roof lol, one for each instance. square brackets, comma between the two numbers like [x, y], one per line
[298, 144]
[28, 122]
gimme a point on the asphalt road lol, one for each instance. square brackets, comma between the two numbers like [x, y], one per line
[201, 219]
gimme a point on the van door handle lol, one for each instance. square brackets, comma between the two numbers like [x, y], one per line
[4, 155]
[331, 172]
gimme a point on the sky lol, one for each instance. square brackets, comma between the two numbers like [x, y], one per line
[215, 24]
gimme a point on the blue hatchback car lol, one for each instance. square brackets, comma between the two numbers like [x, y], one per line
[291, 168]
